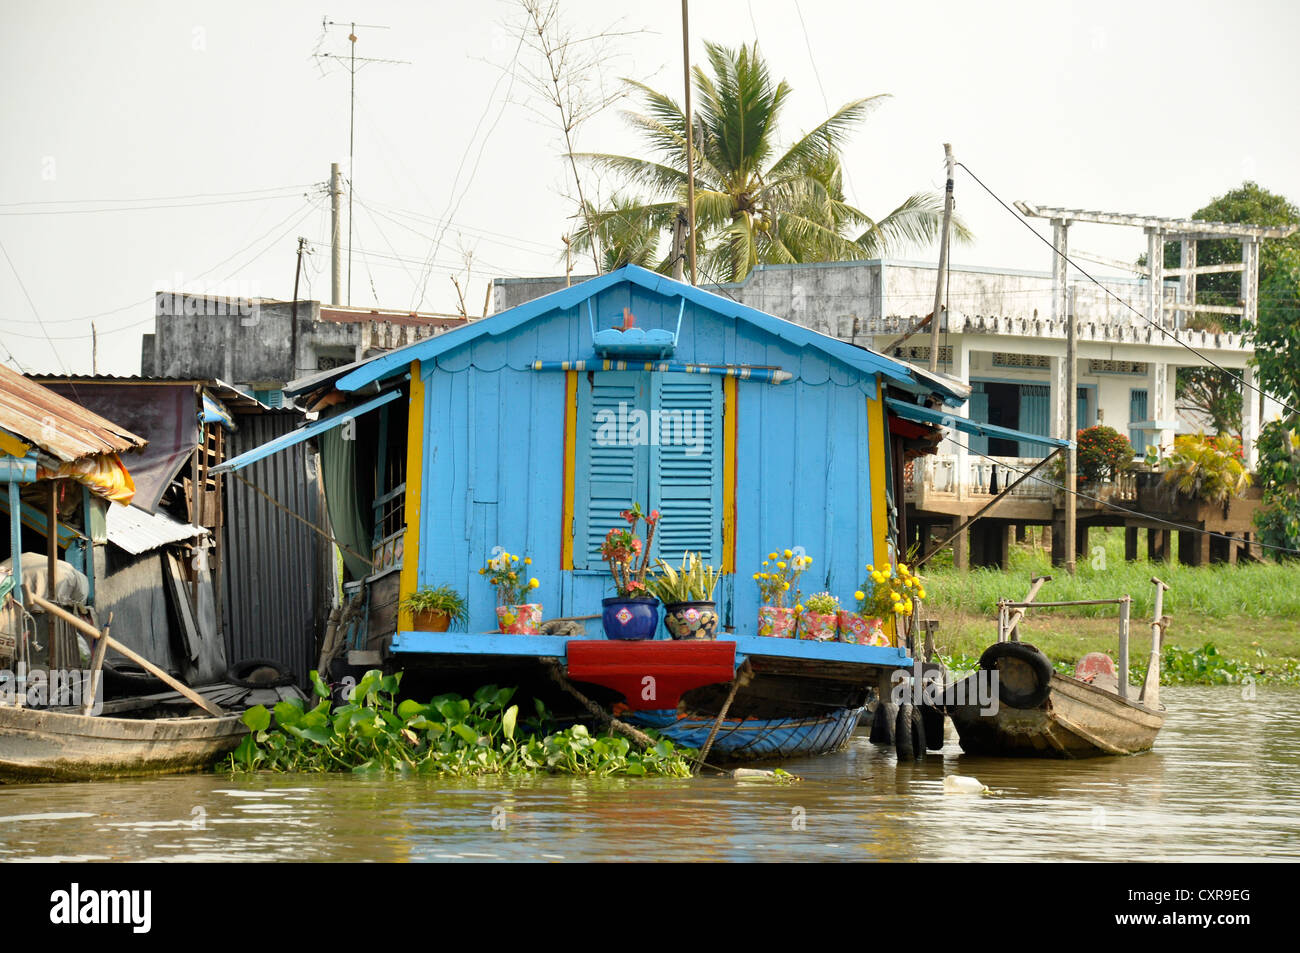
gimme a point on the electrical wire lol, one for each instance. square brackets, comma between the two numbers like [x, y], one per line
[158, 198]
[1162, 330]
[144, 208]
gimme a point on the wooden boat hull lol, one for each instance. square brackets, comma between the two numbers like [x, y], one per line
[1077, 720]
[755, 739]
[56, 746]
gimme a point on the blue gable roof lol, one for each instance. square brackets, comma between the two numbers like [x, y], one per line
[859, 358]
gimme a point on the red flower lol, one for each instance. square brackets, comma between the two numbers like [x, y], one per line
[653, 517]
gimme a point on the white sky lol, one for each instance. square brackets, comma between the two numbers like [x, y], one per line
[1151, 108]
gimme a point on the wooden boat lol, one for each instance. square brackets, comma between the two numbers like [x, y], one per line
[1043, 713]
[755, 739]
[38, 745]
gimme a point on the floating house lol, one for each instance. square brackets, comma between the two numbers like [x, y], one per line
[532, 430]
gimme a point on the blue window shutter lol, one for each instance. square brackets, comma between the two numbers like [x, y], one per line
[1035, 404]
[611, 474]
[1137, 413]
[686, 466]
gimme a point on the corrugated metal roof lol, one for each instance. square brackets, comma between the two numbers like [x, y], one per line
[63, 429]
[138, 531]
[239, 400]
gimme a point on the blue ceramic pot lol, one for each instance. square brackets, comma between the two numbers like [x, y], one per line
[630, 619]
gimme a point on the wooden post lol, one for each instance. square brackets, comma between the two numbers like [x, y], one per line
[52, 548]
[96, 669]
[1071, 430]
[690, 141]
[1130, 543]
[943, 258]
[1151, 684]
[1014, 619]
[1124, 605]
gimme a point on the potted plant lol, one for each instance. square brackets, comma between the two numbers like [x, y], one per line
[885, 593]
[775, 580]
[506, 574]
[687, 595]
[632, 613]
[435, 609]
[819, 617]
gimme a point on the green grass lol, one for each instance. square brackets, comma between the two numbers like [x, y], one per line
[1249, 590]
[1249, 613]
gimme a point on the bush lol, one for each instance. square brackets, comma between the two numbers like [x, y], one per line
[1207, 468]
[1102, 452]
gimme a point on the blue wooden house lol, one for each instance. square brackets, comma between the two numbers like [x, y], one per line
[531, 430]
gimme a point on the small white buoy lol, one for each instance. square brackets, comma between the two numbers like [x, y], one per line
[960, 784]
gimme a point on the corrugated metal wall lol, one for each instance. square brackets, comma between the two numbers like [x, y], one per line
[277, 571]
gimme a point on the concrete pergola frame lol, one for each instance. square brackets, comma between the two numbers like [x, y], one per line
[1187, 232]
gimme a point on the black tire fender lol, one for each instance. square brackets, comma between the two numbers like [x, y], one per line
[932, 721]
[1034, 682]
[242, 672]
[918, 733]
[903, 744]
[882, 726]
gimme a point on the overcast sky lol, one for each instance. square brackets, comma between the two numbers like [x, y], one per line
[1150, 108]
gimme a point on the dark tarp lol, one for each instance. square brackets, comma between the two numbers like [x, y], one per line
[167, 415]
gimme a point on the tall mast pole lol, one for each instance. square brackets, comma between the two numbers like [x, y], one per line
[943, 259]
[352, 125]
[690, 141]
[336, 238]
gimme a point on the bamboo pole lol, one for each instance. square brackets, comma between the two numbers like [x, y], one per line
[89, 630]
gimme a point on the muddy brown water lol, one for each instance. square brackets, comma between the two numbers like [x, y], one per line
[1219, 785]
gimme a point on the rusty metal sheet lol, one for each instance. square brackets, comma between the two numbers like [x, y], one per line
[61, 428]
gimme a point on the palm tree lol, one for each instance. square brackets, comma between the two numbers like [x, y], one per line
[753, 202]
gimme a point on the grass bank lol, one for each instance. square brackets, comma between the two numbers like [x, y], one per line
[1249, 612]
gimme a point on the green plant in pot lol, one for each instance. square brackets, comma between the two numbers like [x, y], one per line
[436, 609]
[687, 595]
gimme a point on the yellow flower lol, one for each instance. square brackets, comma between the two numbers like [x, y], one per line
[920, 593]
[528, 561]
[755, 575]
[894, 596]
[773, 556]
[788, 554]
[780, 565]
[859, 595]
[512, 577]
[870, 568]
[533, 583]
[482, 572]
[807, 560]
[898, 608]
[878, 576]
[798, 607]
[764, 562]
[902, 567]
[785, 586]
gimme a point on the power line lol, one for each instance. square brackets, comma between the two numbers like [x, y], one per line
[1085, 274]
[158, 198]
[32, 304]
[85, 337]
[145, 208]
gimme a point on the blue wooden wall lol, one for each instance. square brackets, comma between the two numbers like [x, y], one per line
[494, 456]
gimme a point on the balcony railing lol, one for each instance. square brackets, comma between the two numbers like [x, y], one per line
[937, 477]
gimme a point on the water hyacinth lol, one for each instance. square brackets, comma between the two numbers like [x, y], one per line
[450, 735]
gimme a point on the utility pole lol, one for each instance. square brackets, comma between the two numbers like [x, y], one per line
[351, 67]
[336, 238]
[943, 259]
[679, 245]
[293, 320]
[690, 140]
[1071, 428]
[94, 349]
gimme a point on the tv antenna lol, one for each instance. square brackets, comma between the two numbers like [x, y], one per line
[352, 63]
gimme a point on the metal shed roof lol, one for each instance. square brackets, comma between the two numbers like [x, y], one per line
[61, 428]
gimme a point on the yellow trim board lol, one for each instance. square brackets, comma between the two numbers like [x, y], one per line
[570, 465]
[409, 579]
[729, 474]
[877, 451]
[12, 446]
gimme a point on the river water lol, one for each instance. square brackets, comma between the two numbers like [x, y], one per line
[1221, 784]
